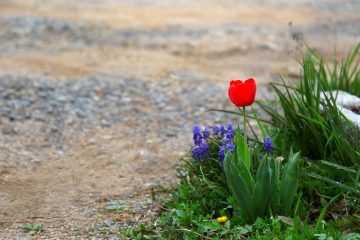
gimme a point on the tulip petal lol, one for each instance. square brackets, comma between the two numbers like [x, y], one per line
[242, 93]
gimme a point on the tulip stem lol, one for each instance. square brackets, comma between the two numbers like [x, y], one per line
[245, 138]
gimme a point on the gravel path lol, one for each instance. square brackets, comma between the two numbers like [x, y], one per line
[97, 98]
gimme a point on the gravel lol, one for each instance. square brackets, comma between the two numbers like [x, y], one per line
[59, 111]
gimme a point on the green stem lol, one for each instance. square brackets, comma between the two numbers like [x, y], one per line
[244, 114]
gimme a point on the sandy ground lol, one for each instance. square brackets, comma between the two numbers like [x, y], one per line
[149, 39]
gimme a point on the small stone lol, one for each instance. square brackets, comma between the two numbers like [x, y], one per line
[45, 145]
[54, 128]
[137, 208]
[125, 99]
[9, 130]
[36, 161]
[62, 98]
[108, 223]
[114, 238]
[48, 109]
[27, 115]
[81, 114]
[43, 94]
[105, 123]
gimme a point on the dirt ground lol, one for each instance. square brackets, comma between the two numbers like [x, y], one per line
[99, 97]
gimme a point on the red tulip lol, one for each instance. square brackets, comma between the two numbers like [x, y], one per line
[242, 93]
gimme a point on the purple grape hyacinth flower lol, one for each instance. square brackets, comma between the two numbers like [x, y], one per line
[216, 130]
[226, 144]
[222, 130]
[197, 134]
[221, 155]
[230, 131]
[268, 145]
[230, 146]
[206, 133]
[201, 152]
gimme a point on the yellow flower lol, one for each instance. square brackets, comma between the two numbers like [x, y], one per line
[222, 219]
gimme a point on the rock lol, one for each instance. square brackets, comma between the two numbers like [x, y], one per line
[348, 104]
[81, 114]
[108, 223]
[137, 208]
[114, 238]
[9, 130]
[346, 100]
[105, 123]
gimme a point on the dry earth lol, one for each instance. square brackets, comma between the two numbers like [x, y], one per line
[98, 97]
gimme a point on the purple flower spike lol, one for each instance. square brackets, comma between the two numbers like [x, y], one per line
[230, 131]
[197, 134]
[222, 130]
[221, 154]
[216, 130]
[226, 144]
[201, 152]
[206, 133]
[268, 145]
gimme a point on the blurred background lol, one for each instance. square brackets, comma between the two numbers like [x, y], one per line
[153, 38]
[98, 98]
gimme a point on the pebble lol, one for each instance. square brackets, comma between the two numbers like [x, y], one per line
[9, 130]
[137, 208]
[114, 238]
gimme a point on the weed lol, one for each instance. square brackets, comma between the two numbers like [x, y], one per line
[32, 229]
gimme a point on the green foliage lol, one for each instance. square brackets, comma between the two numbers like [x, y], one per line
[345, 78]
[32, 229]
[202, 195]
[261, 191]
[289, 183]
[268, 229]
[311, 122]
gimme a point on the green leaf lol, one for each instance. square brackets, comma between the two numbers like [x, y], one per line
[337, 166]
[242, 149]
[263, 187]
[286, 220]
[289, 183]
[335, 183]
[180, 213]
[275, 196]
[243, 171]
[323, 211]
[239, 186]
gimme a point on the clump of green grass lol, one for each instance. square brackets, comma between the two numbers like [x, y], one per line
[186, 219]
[315, 125]
[32, 229]
[311, 124]
[344, 76]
